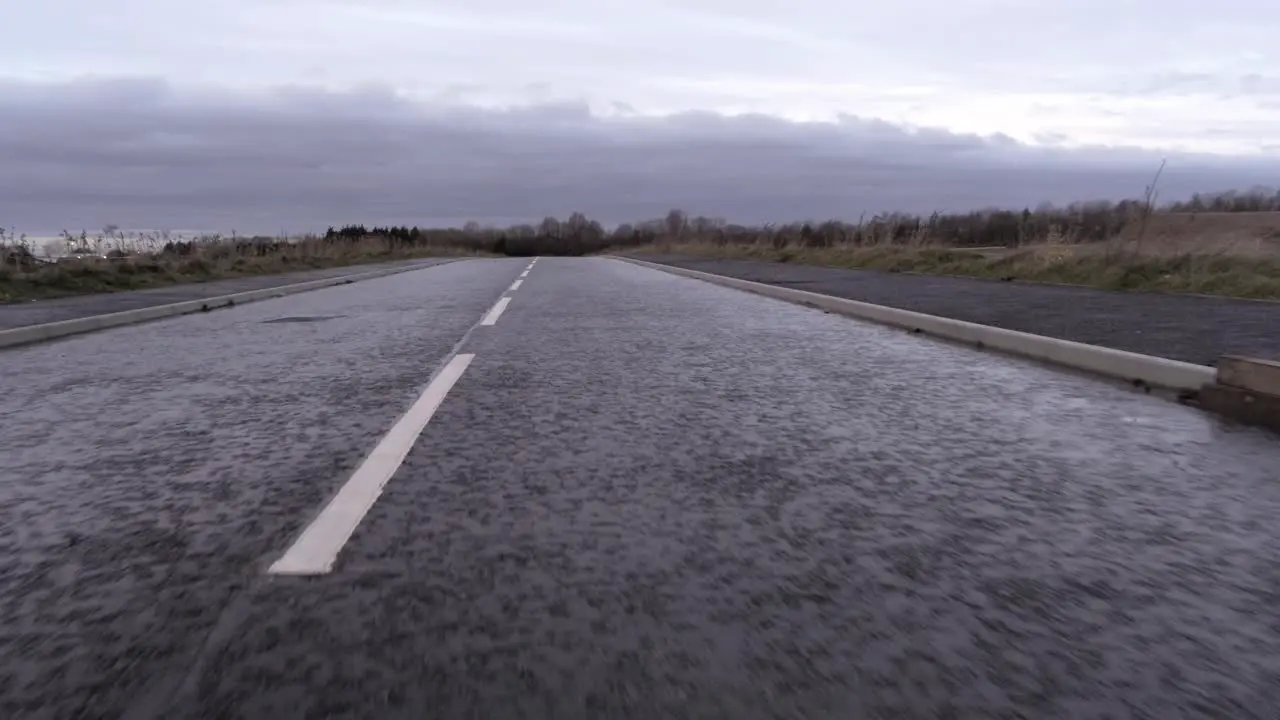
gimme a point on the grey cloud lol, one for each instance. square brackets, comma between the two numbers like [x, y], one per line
[1087, 69]
[1255, 84]
[141, 153]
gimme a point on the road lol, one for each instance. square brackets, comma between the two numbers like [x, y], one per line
[642, 496]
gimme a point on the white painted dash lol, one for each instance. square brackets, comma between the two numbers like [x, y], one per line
[516, 285]
[524, 274]
[316, 549]
[496, 312]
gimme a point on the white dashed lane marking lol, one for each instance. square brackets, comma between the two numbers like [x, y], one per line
[496, 312]
[315, 550]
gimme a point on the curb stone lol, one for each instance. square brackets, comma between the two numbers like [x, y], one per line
[1142, 371]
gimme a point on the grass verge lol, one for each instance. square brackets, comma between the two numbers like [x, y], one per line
[160, 270]
[1110, 266]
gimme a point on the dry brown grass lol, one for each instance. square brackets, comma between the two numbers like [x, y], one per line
[1239, 234]
[1226, 253]
[1231, 254]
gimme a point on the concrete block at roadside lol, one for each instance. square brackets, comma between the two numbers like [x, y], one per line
[1252, 374]
[1251, 408]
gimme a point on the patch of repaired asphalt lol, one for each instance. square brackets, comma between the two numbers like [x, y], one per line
[302, 319]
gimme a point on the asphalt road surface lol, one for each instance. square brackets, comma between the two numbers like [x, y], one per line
[639, 496]
[1194, 329]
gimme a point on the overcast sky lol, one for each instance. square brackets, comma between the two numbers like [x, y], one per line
[266, 115]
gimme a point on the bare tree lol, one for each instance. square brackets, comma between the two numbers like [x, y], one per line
[676, 222]
[576, 223]
[1149, 202]
[549, 226]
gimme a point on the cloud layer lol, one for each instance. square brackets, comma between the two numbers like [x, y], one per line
[143, 153]
[1158, 73]
[292, 114]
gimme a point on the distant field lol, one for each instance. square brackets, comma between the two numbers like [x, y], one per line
[1100, 245]
[1237, 234]
[1242, 234]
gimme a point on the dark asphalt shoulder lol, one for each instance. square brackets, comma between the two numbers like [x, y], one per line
[38, 312]
[1190, 328]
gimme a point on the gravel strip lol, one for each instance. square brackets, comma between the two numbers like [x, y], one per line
[37, 312]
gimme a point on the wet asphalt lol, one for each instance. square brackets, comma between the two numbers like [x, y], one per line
[646, 497]
[35, 312]
[1191, 328]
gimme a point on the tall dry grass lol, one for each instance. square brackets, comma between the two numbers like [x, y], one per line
[113, 262]
[1228, 255]
[1124, 245]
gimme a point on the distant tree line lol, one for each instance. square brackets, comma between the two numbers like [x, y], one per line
[1255, 200]
[576, 235]
[580, 235]
[356, 232]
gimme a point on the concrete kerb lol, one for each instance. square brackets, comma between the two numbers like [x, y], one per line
[1154, 372]
[30, 334]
